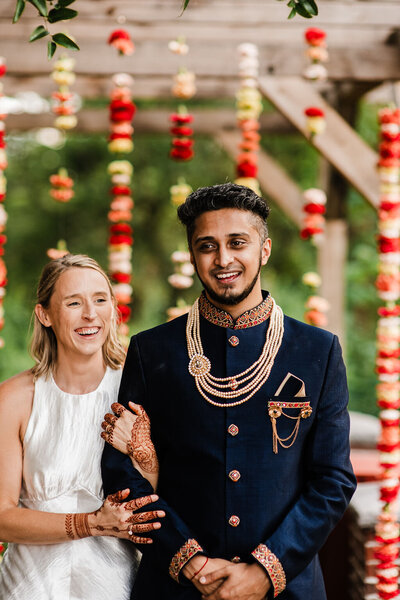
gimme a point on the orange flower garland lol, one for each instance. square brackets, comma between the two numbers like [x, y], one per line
[3, 213]
[387, 532]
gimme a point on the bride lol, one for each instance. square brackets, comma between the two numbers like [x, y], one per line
[65, 542]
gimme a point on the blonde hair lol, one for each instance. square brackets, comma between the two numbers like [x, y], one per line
[44, 342]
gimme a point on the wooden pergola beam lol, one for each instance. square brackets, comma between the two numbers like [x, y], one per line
[340, 144]
[274, 181]
[96, 120]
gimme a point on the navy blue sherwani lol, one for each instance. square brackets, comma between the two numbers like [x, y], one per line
[223, 487]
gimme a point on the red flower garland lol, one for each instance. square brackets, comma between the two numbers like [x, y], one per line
[121, 40]
[387, 358]
[122, 111]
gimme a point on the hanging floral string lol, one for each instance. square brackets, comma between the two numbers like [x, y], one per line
[122, 111]
[315, 120]
[65, 105]
[121, 40]
[313, 229]
[181, 279]
[387, 359]
[249, 108]
[3, 213]
[316, 53]
[182, 150]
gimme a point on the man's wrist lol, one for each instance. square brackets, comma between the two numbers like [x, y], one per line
[193, 565]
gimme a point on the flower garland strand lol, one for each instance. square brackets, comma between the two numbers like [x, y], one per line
[248, 110]
[316, 53]
[313, 229]
[183, 88]
[3, 213]
[122, 111]
[315, 121]
[387, 532]
[65, 105]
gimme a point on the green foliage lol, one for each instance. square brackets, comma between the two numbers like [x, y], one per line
[51, 13]
[304, 8]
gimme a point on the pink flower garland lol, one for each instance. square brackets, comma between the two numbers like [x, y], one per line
[122, 111]
[387, 359]
[3, 213]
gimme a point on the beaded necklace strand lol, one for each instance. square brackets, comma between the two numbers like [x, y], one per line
[248, 381]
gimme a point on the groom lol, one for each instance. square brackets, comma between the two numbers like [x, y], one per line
[248, 412]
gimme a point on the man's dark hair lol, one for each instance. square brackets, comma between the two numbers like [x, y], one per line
[225, 195]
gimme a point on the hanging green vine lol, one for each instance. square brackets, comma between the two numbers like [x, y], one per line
[304, 8]
[52, 11]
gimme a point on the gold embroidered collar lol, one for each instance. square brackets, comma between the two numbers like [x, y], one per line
[220, 317]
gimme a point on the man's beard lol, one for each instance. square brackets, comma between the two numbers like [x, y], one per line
[230, 300]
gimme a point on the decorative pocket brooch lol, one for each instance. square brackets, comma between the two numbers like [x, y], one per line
[277, 407]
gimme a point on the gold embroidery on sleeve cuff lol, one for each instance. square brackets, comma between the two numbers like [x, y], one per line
[184, 554]
[273, 567]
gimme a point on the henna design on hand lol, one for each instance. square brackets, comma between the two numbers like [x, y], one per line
[68, 526]
[144, 517]
[117, 408]
[140, 447]
[110, 419]
[116, 498]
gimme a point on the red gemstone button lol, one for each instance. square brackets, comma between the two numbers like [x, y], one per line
[234, 341]
[233, 384]
[236, 559]
[234, 521]
[233, 430]
[234, 475]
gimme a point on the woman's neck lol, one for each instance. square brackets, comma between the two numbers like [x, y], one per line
[79, 376]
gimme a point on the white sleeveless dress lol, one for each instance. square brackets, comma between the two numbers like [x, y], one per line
[61, 474]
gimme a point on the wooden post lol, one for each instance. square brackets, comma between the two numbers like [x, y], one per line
[332, 256]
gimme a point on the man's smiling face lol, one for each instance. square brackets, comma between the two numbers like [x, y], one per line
[228, 252]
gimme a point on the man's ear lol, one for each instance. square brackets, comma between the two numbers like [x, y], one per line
[191, 257]
[266, 251]
[42, 315]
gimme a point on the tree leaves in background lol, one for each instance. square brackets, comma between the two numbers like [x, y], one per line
[304, 8]
[52, 13]
[63, 40]
[19, 9]
[38, 33]
[61, 14]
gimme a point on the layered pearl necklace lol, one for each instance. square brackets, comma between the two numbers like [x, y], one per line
[246, 383]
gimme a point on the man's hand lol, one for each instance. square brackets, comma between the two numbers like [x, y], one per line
[213, 564]
[239, 582]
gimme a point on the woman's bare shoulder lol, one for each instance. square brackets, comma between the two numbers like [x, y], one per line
[17, 390]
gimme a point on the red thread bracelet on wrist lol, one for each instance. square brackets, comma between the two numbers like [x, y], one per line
[201, 568]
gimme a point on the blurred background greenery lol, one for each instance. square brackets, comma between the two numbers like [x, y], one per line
[36, 223]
